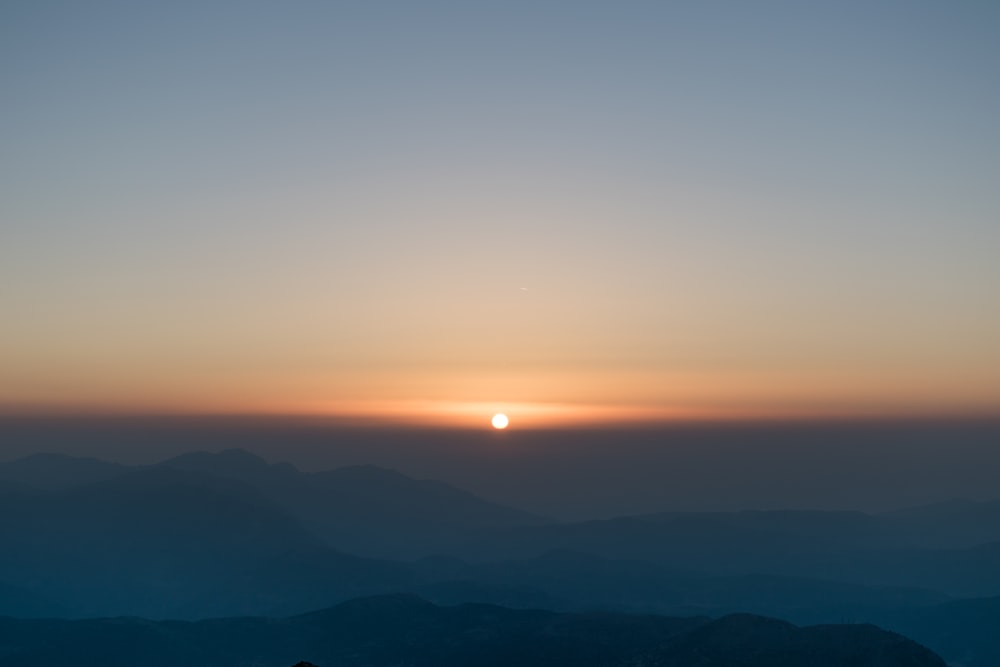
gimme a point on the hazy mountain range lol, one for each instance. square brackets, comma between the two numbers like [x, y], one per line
[213, 535]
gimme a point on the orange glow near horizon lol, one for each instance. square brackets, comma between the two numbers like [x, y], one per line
[477, 414]
[571, 244]
[542, 397]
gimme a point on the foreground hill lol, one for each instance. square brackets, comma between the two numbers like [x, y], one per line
[752, 641]
[405, 630]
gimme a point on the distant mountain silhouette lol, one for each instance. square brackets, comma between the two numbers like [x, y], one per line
[671, 537]
[568, 580]
[366, 510]
[211, 535]
[398, 630]
[378, 512]
[166, 542]
[954, 523]
[846, 546]
[53, 472]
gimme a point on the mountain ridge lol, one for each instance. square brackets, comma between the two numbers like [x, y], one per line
[403, 629]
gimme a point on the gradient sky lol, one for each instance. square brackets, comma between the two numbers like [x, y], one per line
[566, 210]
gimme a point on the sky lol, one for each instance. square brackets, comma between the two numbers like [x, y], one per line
[573, 212]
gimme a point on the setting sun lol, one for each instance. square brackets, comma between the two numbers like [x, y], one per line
[500, 421]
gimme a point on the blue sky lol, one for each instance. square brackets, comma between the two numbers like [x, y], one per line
[715, 206]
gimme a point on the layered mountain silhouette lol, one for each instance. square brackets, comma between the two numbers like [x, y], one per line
[405, 630]
[571, 580]
[163, 542]
[367, 510]
[213, 535]
[52, 472]
[847, 546]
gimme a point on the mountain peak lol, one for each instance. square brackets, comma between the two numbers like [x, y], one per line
[226, 461]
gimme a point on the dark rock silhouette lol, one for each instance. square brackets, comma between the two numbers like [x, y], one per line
[744, 640]
[403, 629]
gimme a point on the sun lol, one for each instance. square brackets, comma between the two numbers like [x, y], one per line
[500, 421]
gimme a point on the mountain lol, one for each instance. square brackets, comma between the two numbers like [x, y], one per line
[163, 542]
[573, 581]
[954, 523]
[366, 510]
[378, 512]
[744, 640]
[843, 546]
[963, 631]
[52, 472]
[710, 539]
[216, 534]
[405, 630]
